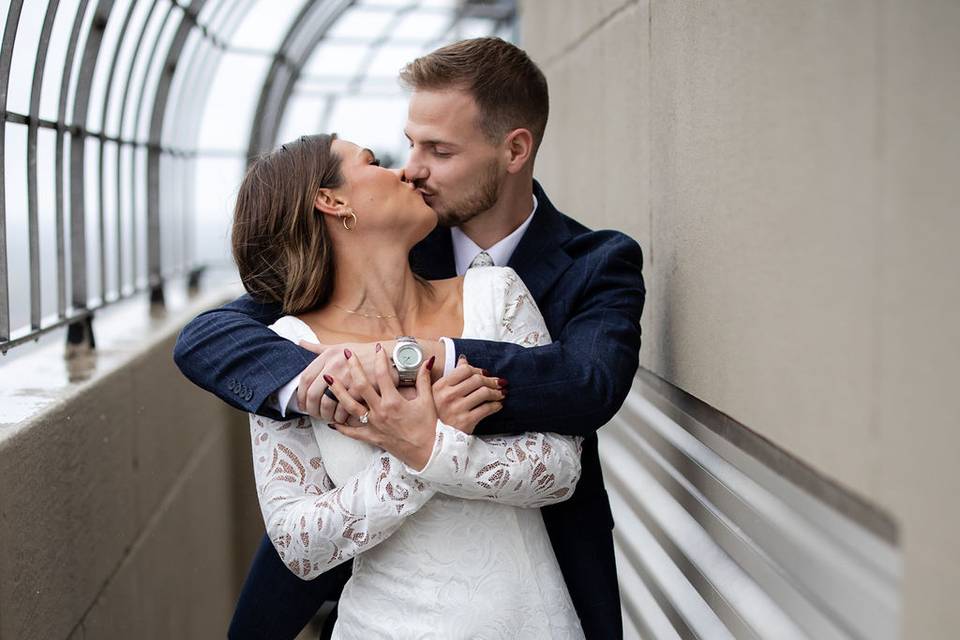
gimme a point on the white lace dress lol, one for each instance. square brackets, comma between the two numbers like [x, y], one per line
[455, 550]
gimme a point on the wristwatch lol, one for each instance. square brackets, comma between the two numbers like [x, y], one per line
[407, 357]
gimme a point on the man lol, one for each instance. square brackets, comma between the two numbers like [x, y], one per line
[476, 118]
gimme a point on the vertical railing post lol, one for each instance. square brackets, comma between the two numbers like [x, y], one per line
[6, 58]
[78, 236]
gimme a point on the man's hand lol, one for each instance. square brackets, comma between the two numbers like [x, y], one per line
[467, 395]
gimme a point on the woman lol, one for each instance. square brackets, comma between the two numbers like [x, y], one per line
[444, 526]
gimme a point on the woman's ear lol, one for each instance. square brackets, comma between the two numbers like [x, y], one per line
[327, 202]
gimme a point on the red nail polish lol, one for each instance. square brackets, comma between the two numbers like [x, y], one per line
[430, 363]
[327, 379]
[486, 373]
[502, 382]
[378, 347]
[347, 353]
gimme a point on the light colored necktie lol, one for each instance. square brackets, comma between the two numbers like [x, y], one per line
[483, 259]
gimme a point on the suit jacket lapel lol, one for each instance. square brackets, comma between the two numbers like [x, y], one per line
[539, 258]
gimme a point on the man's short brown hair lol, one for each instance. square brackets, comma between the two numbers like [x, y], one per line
[510, 90]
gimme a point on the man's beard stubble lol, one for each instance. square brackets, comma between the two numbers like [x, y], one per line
[475, 202]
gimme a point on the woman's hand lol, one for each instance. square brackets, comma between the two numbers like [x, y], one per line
[405, 428]
[467, 395]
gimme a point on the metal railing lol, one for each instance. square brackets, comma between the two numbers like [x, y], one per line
[138, 145]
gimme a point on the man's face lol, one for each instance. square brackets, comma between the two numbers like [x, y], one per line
[456, 168]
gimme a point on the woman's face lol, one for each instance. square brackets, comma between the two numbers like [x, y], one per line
[382, 200]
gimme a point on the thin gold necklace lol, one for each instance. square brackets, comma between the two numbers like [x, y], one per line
[365, 315]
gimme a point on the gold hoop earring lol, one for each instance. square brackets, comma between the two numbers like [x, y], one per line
[343, 219]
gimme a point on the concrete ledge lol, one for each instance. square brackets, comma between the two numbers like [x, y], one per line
[127, 506]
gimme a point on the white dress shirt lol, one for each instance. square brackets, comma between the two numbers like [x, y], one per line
[464, 251]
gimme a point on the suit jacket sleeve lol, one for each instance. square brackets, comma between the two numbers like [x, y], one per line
[576, 384]
[231, 353]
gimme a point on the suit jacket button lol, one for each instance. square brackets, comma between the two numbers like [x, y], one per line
[232, 384]
[249, 394]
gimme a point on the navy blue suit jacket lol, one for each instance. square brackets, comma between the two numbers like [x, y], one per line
[589, 287]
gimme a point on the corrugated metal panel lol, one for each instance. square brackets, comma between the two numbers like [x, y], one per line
[721, 535]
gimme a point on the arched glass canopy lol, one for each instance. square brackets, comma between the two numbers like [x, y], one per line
[128, 124]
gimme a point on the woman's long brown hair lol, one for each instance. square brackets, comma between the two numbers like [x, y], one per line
[281, 244]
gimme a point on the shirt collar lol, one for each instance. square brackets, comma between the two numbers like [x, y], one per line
[465, 249]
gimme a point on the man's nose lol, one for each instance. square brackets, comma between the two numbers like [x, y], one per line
[399, 173]
[415, 170]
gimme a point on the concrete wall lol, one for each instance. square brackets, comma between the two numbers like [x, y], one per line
[126, 504]
[790, 169]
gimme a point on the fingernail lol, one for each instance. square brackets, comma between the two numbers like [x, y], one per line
[430, 363]
[347, 353]
[331, 426]
[378, 348]
[327, 379]
[502, 382]
[486, 373]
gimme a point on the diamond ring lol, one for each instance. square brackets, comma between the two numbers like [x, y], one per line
[365, 418]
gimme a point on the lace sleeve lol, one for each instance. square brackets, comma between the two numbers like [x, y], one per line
[314, 525]
[526, 470]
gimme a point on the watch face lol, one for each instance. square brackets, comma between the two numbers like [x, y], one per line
[408, 356]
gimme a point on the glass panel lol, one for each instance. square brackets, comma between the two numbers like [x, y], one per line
[110, 215]
[154, 71]
[78, 56]
[335, 60]
[384, 3]
[140, 71]
[303, 116]
[361, 23]
[266, 23]
[422, 25]
[56, 54]
[111, 38]
[91, 188]
[125, 211]
[230, 107]
[473, 28]
[140, 215]
[389, 60]
[183, 77]
[127, 48]
[373, 122]
[18, 256]
[25, 56]
[46, 215]
[213, 206]
[67, 253]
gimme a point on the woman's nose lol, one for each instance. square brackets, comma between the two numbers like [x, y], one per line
[399, 174]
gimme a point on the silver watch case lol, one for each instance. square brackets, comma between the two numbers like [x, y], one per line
[407, 358]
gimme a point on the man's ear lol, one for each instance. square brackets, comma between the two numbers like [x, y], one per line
[519, 149]
[328, 202]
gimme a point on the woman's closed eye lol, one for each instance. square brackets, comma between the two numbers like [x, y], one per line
[375, 162]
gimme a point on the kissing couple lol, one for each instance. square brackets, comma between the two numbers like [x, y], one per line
[426, 355]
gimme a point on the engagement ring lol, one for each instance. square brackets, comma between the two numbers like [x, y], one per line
[364, 419]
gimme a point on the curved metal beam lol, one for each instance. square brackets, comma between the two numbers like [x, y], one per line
[9, 38]
[81, 102]
[286, 67]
